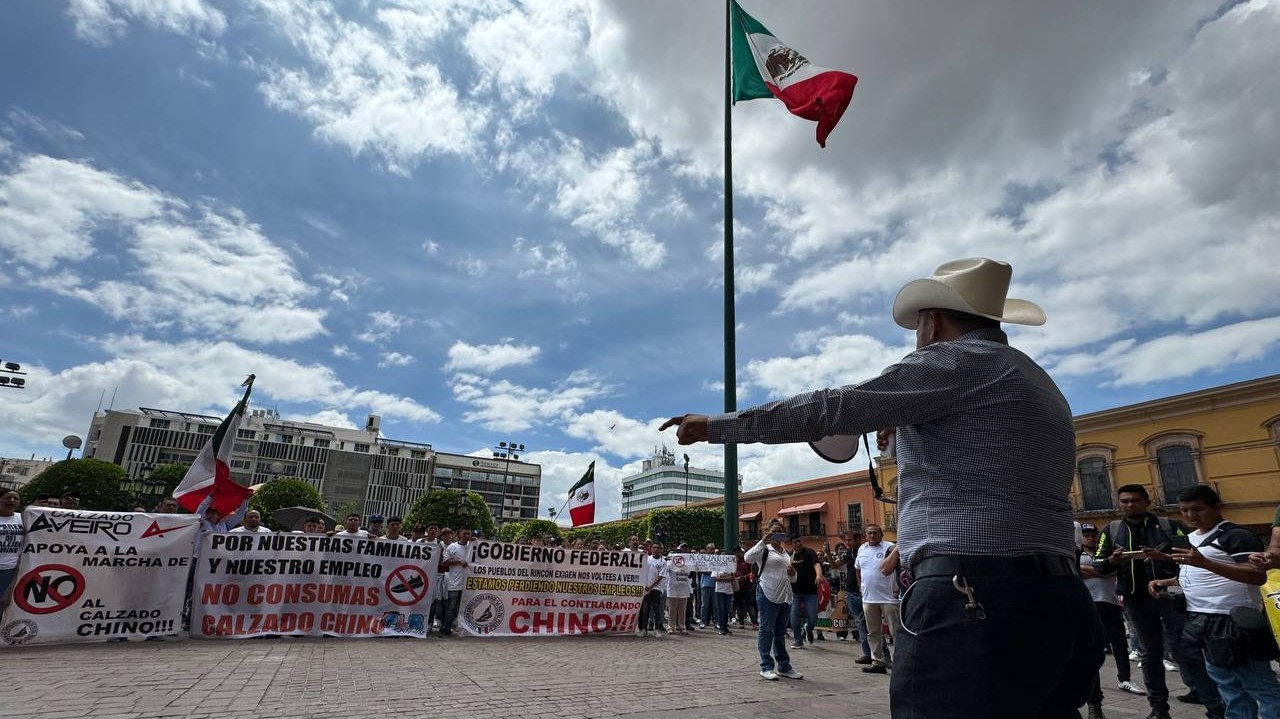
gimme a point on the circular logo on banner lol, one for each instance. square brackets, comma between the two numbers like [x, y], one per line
[49, 588]
[678, 561]
[407, 585]
[19, 632]
[484, 613]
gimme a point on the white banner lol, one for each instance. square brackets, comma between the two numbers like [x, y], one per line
[251, 585]
[522, 590]
[714, 563]
[94, 576]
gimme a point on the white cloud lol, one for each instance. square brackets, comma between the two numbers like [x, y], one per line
[489, 358]
[327, 417]
[395, 359]
[164, 374]
[343, 352]
[102, 21]
[840, 360]
[383, 324]
[525, 47]
[365, 93]
[1176, 356]
[49, 208]
[503, 406]
[431, 247]
[22, 121]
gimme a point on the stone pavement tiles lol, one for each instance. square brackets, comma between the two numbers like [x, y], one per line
[701, 675]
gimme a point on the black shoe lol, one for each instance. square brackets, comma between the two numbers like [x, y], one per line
[1159, 714]
[820, 638]
[875, 669]
[811, 636]
[723, 632]
[1189, 698]
[862, 660]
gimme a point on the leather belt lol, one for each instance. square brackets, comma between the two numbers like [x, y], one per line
[974, 566]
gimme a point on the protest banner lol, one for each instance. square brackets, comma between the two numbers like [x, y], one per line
[698, 562]
[96, 576]
[250, 585]
[522, 590]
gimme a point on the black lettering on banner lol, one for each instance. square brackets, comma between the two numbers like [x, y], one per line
[48, 588]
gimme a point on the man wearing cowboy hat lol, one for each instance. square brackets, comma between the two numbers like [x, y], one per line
[997, 622]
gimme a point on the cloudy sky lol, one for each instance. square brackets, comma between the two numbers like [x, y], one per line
[488, 220]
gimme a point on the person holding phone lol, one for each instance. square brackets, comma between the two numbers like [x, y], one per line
[1122, 552]
[773, 601]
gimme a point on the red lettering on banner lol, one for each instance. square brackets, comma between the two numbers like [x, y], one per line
[518, 623]
[544, 620]
[600, 623]
[578, 623]
[219, 594]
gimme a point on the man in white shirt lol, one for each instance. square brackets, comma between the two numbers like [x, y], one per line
[1217, 578]
[394, 525]
[455, 566]
[651, 576]
[352, 528]
[879, 596]
[773, 597]
[252, 523]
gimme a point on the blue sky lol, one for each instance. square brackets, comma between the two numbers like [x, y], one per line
[488, 220]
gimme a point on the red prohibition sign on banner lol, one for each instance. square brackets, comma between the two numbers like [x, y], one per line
[48, 588]
[407, 585]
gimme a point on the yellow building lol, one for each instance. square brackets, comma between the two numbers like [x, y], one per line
[1226, 437]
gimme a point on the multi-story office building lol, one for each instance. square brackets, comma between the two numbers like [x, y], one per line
[350, 467]
[663, 483]
[14, 473]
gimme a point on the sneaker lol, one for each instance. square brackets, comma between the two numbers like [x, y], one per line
[769, 674]
[1135, 656]
[1095, 712]
[1170, 666]
[862, 660]
[1130, 687]
[875, 669]
[798, 646]
[790, 674]
[644, 634]
[810, 636]
[1189, 698]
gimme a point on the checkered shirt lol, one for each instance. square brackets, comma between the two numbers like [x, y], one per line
[985, 445]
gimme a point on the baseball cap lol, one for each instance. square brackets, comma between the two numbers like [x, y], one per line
[375, 517]
[1087, 527]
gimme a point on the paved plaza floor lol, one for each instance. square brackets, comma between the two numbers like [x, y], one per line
[703, 675]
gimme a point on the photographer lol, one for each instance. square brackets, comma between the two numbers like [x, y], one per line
[1225, 620]
[773, 597]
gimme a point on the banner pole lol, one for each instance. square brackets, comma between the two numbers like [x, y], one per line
[730, 342]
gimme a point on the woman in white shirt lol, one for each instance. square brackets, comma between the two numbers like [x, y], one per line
[773, 597]
[678, 589]
[11, 535]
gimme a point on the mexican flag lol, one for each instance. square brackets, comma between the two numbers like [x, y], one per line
[582, 498]
[210, 474]
[764, 66]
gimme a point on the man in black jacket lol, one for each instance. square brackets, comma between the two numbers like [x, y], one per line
[1119, 552]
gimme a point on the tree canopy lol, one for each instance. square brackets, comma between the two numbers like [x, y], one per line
[448, 508]
[281, 493]
[95, 482]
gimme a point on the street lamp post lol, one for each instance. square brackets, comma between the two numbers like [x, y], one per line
[686, 479]
[16, 382]
[506, 451]
[626, 500]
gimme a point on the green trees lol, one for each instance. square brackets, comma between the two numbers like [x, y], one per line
[539, 528]
[95, 482]
[450, 508]
[280, 493]
[170, 474]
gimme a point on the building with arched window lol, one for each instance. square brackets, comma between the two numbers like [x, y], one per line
[1227, 437]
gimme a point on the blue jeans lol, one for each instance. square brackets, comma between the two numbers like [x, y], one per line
[724, 603]
[804, 605]
[772, 636]
[854, 600]
[707, 599]
[450, 614]
[1248, 691]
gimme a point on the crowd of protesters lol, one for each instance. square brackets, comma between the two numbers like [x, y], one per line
[1165, 591]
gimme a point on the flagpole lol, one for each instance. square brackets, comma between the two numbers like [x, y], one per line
[730, 343]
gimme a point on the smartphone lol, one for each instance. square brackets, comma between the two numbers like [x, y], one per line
[1133, 555]
[777, 537]
[1180, 542]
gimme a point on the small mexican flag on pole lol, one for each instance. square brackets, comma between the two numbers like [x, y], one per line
[210, 475]
[582, 498]
[764, 66]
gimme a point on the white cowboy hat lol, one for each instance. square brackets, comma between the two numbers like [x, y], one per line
[977, 286]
